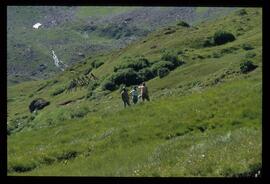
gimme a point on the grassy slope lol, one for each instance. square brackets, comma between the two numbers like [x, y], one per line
[67, 40]
[204, 118]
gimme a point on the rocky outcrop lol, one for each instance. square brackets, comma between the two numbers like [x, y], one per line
[38, 104]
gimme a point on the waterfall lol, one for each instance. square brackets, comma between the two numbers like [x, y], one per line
[57, 62]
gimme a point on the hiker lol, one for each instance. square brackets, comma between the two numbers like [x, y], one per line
[125, 97]
[134, 95]
[144, 92]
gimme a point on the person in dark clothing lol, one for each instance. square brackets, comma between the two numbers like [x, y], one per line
[125, 97]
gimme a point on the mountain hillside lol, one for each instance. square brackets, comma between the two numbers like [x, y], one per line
[203, 118]
[74, 33]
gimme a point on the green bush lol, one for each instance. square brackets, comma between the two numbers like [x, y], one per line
[109, 85]
[182, 23]
[247, 66]
[162, 72]
[92, 85]
[173, 58]
[161, 64]
[169, 56]
[146, 74]
[222, 37]
[126, 76]
[79, 113]
[136, 64]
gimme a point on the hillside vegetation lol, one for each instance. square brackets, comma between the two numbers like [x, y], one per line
[204, 117]
[75, 33]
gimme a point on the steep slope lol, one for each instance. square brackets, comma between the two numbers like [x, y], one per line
[204, 118]
[77, 32]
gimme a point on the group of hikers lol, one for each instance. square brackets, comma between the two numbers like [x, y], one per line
[134, 94]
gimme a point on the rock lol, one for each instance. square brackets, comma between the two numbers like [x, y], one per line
[38, 104]
[81, 54]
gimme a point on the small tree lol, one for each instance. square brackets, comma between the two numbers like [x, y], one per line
[247, 66]
[109, 85]
[183, 24]
[222, 37]
[162, 72]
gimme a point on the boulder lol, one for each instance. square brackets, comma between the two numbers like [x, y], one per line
[38, 104]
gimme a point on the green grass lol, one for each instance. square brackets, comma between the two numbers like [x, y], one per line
[96, 11]
[204, 118]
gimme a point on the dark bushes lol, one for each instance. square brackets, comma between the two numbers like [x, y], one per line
[136, 64]
[109, 85]
[127, 76]
[135, 71]
[219, 38]
[222, 37]
[161, 64]
[162, 72]
[146, 74]
[247, 66]
[183, 24]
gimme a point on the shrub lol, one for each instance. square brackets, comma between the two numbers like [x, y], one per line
[247, 66]
[146, 74]
[168, 56]
[109, 85]
[183, 24]
[161, 64]
[162, 72]
[222, 37]
[136, 64]
[126, 76]
[209, 42]
[79, 113]
[247, 46]
[58, 91]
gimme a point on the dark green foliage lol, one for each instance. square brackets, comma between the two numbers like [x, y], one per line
[135, 64]
[109, 85]
[58, 91]
[183, 24]
[146, 74]
[168, 56]
[247, 46]
[247, 66]
[79, 113]
[162, 72]
[222, 37]
[93, 84]
[161, 64]
[126, 76]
